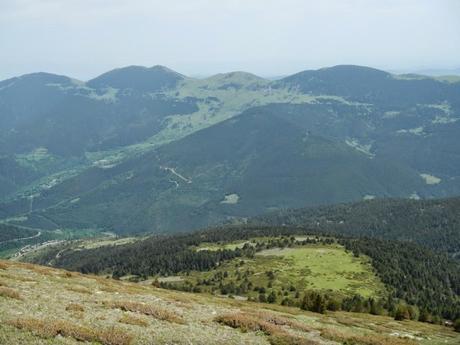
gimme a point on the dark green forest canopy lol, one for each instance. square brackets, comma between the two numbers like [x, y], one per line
[432, 223]
[10, 233]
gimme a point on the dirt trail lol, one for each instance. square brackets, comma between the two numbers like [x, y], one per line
[172, 170]
[22, 238]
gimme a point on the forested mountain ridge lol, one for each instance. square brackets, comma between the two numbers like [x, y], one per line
[373, 86]
[129, 149]
[431, 223]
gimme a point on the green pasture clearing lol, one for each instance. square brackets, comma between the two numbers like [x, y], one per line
[324, 268]
[328, 268]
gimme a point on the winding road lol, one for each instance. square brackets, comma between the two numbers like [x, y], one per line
[22, 238]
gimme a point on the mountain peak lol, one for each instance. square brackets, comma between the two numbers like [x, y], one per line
[352, 69]
[139, 78]
[32, 82]
[38, 78]
[236, 80]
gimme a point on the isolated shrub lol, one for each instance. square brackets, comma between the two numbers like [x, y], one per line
[402, 312]
[414, 312]
[333, 305]
[457, 325]
[288, 301]
[425, 316]
[271, 297]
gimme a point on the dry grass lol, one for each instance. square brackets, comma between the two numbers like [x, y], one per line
[114, 336]
[365, 339]
[79, 289]
[283, 321]
[75, 307]
[52, 328]
[108, 288]
[288, 339]
[7, 292]
[347, 321]
[147, 309]
[48, 271]
[246, 323]
[61, 314]
[133, 320]
[21, 278]
[262, 321]
[268, 324]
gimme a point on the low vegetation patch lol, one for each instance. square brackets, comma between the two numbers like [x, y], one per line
[157, 312]
[52, 328]
[75, 307]
[268, 324]
[365, 339]
[133, 320]
[79, 289]
[246, 323]
[10, 293]
[288, 339]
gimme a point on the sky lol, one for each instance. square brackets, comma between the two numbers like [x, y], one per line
[84, 38]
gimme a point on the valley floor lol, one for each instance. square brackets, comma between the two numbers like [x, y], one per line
[41, 305]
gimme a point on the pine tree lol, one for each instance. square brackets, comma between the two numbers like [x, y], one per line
[272, 297]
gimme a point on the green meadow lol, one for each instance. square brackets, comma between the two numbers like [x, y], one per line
[288, 271]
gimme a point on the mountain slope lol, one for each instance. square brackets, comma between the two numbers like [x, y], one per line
[122, 151]
[247, 165]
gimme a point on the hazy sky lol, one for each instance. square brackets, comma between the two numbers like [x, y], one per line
[83, 38]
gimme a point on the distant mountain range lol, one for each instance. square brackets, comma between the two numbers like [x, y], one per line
[147, 149]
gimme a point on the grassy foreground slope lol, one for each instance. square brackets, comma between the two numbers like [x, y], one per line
[40, 305]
